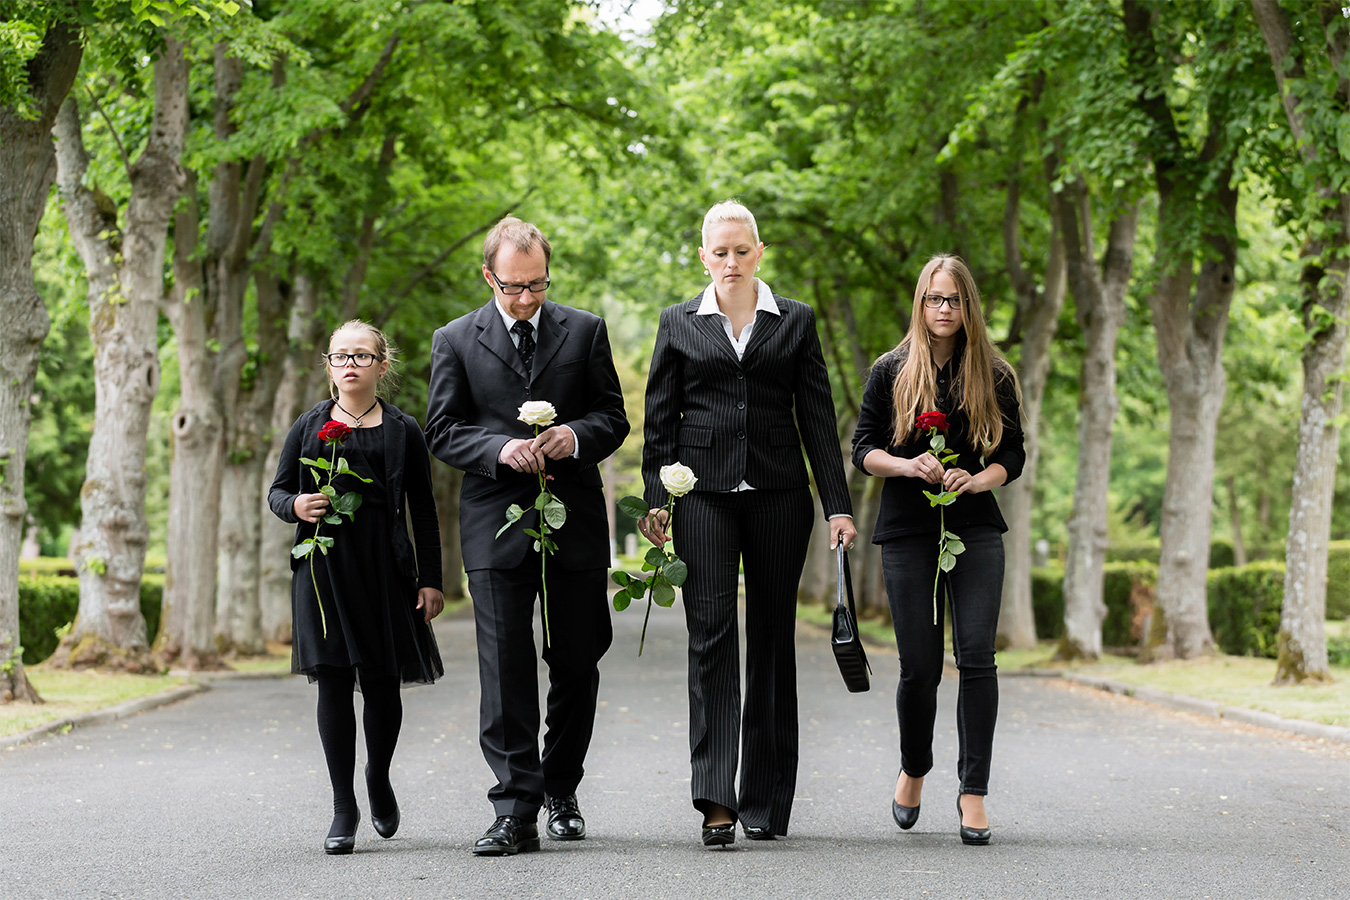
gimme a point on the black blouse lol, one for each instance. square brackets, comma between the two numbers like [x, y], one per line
[904, 509]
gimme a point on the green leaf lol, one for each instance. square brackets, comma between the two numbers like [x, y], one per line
[536, 546]
[555, 513]
[955, 547]
[333, 520]
[318, 478]
[655, 557]
[663, 594]
[328, 491]
[319, 463]
[946, 561]
[542, 500]
[634, 507]
[621, 601]
[951, 536]
[304, 548]
[638, 589]
[347, 504]
[676, 571]
[1343, 135]
[946, 498]
[938, 444]
[324, 541]
[621, 578]
[933, 499]
[534, 534]
[513, 514]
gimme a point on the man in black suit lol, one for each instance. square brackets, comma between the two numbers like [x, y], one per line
[484, 366]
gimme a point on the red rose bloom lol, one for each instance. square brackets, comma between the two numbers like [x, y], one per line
[335, 432]
[929, 420]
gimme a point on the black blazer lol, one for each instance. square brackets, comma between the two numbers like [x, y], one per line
[733, 420]
[478, 385]
[406, 466]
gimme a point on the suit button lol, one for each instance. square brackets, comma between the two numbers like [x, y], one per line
[740, 435]
[740, 405]
[740, 376]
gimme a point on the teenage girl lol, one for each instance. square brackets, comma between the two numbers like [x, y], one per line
[378, 596]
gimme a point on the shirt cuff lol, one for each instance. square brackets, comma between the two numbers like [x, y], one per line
[576, 444]
[839, 515]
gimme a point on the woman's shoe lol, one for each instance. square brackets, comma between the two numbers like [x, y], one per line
[385, 826]
[341, 844]
[978, 836]
[719, 835]
[905, 816]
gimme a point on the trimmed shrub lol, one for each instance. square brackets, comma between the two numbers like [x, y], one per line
[49, 602]
[1047, 602]
[1338, 580]
[1244, 608]
[1127, 590]
[1220, 552]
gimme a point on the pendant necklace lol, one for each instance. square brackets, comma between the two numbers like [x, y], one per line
[360, 417]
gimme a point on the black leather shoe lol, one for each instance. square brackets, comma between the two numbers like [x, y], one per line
[564, 819]
[758, 833]
[905, 816]
[385, 826]
[342, 844]
[978, 836]
[508, 836]
[719, 835]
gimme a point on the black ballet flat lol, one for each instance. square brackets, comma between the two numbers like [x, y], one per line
[342, 844]
[905, 816]
[975, 836]
[719, 835]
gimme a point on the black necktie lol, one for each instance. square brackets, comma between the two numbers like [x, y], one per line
[525, 347]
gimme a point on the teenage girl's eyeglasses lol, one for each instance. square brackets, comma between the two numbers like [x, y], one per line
[338, 360]
[935, 301]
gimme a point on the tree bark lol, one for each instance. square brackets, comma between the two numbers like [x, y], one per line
[1235, 522]
[1302, 654]
[1038, 310]
[123, 314]
[27, 167]
[1099, 299]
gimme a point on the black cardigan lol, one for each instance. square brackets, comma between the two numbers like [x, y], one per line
[407, 473]
[904, 509]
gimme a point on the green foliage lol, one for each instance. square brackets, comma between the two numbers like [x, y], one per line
[1126, 588]
[1244, 608]
[48, 603]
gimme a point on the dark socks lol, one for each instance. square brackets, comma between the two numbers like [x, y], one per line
[337, 732]
[383, 717]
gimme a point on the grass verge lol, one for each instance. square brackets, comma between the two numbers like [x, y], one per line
[70, 693]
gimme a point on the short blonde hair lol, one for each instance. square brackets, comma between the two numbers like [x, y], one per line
[729, 211]
[521, 235]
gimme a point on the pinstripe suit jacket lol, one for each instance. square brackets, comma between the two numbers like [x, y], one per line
[733, 420]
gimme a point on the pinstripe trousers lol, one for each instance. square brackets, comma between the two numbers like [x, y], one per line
[765, 532]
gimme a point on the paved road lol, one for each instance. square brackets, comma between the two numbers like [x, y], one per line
[224, 796]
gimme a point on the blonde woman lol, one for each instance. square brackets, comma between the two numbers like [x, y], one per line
[945, 364]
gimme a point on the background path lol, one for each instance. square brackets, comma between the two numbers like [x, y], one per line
[225, 795]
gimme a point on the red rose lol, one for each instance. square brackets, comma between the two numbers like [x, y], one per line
[335, 432]
[931, 420]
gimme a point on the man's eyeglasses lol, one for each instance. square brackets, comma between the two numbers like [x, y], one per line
[338, 360]
[511, 290]
[935, 301]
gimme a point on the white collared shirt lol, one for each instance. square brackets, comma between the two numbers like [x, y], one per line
[515, 340]
[764, 301]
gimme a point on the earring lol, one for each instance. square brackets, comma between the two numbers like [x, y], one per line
[705, 271]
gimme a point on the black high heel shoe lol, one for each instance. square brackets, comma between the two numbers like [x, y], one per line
[905, 816]
[342, 844]
[977, 836]
[385, 826]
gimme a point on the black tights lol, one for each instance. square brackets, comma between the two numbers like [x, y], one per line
[382, 719]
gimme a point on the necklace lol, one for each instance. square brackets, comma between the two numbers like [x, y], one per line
[360, 417]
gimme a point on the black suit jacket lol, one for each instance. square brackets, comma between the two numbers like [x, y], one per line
[478, 384]
[733, 420]
[406, 465]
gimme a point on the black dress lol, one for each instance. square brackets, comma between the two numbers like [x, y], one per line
[369, 603]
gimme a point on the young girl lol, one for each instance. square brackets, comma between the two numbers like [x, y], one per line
[944, 364]
[377, 599]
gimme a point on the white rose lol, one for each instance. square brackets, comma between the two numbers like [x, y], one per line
[678, 479]
[537, 412]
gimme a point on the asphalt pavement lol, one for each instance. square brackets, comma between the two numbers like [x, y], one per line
[224, 795]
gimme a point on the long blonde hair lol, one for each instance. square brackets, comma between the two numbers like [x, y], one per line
[915, 388]
[385, 351]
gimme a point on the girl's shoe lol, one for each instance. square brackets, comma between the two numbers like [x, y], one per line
[978, 836]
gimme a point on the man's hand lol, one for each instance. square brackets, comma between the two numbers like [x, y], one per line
[310, 507]
[653, 526]
[520, 455]
[558, 442]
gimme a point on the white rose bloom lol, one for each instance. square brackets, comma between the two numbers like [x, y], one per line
[537, 412]
[678, 479]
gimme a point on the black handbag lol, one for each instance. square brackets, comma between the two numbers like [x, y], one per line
[844, 639]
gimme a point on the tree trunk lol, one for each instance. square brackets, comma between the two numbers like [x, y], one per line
[27, 167]
[445, 485]
[1039, 309]
[292, 398]
[1326, 303]
[123, 318]
[1099, 301]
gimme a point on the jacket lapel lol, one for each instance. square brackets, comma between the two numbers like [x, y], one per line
[712, 330]
[765, 325]
[552, 333]
[493, 336]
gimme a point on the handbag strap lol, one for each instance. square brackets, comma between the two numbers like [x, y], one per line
[844, 588]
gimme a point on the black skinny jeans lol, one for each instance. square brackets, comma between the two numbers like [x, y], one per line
[975, 586]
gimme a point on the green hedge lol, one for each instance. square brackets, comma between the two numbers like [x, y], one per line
[1120, 581]
[49, 602]
[1220, 552]
[1244, 608]
[1338, 580]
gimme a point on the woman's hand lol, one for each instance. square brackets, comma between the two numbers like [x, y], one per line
[431, 602]
[963, 482]
[925, 466]
[842, 530]
[653, 526]
[309, 507]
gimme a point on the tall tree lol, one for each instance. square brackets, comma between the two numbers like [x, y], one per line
[48, 58]
[125, 273]
[1310, 71]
